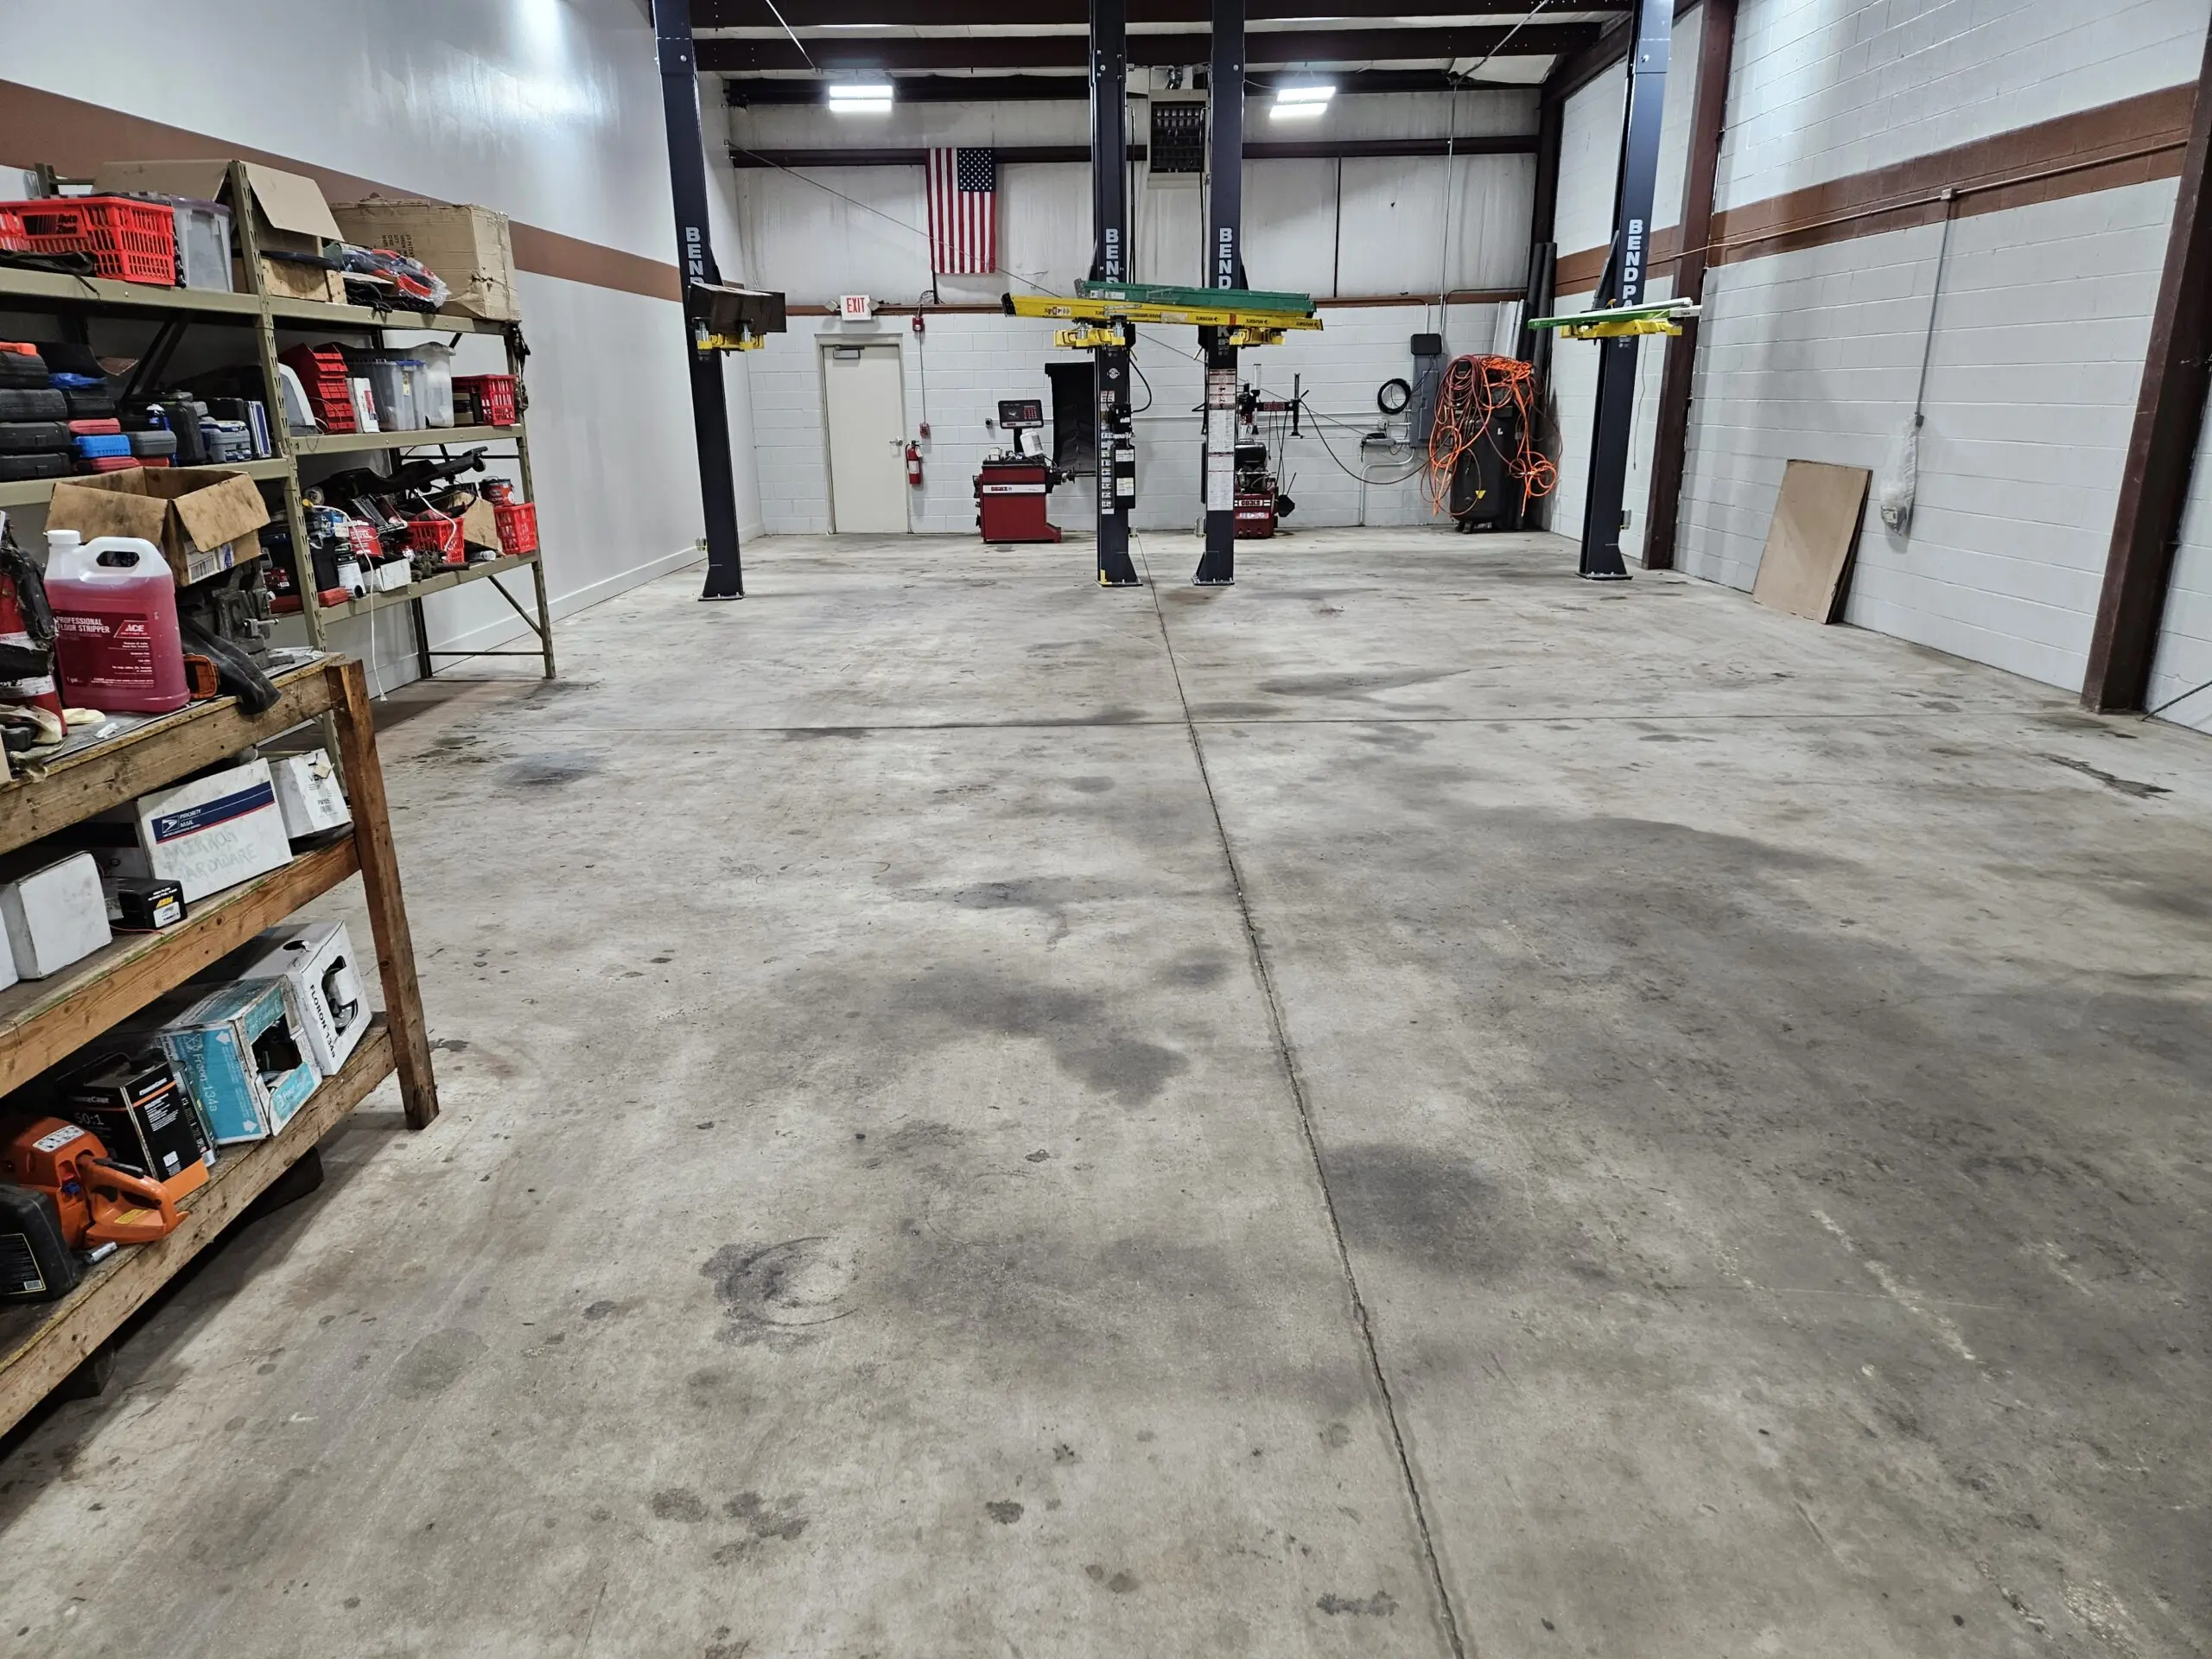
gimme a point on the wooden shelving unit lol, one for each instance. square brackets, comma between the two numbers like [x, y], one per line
[44, 1021]
[84, 297]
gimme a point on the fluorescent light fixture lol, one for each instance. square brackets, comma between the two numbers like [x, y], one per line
[859, 97]
[1293, 102]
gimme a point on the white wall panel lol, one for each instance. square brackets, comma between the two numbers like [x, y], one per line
[1826, 88]
[2183, 661]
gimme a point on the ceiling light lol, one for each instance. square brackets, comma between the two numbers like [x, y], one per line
[1293, 102]
[859, 97]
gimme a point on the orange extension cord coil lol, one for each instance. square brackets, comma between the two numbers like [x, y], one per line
[1474, 389]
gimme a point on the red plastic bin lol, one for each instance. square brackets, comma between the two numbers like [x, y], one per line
[439, 536]
[129, 241]
[14, 238]
[517, 522]
[494, 395]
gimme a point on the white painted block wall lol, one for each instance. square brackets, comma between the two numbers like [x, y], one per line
[2184, 655]
[966, 363]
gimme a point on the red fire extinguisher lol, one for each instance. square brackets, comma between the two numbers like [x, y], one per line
[914, 464]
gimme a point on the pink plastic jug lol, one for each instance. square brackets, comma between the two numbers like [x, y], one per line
[116, 637]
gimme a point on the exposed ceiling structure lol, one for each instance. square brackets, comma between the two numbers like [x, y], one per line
[943, 50]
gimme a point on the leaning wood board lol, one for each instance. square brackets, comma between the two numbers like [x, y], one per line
[41, 1344]
[1806, 568]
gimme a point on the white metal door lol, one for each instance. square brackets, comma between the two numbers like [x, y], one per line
[867, 405]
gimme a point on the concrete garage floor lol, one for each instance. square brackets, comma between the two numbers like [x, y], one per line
[1454, 1111]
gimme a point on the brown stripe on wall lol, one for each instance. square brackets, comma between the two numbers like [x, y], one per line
[2131, 142]
[75, 138]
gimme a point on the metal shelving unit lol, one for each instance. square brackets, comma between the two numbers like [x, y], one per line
[266, 315]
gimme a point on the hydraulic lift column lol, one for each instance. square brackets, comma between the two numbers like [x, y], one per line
[1224, 268]
[694, 258]
[1639, 170]
[1109, 262]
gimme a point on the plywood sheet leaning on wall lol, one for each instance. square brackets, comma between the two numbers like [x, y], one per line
[1806, 568]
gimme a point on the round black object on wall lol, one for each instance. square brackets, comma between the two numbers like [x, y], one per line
[1393, 396]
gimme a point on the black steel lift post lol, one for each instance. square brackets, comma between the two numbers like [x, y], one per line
[1224, 268]
[694, 258]
[1109, 262]
[1638, 182]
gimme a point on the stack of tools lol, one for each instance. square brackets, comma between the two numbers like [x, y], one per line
[35, 438]
[330, 392]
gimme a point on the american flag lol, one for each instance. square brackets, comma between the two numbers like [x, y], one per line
[963, 212]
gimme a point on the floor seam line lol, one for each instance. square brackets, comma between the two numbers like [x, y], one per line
[1281, 1032]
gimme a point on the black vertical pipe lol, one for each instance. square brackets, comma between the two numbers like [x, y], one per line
[1639, 177]
[1109, 262]
[1224, 268]
[694, 260]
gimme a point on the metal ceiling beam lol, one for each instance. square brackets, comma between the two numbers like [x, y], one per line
[945, 14]
[751, 92]
[749, 55]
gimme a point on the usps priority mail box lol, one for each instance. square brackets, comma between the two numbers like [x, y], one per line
[215, 831]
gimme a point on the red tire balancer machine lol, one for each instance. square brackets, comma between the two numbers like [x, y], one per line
[1011, 490]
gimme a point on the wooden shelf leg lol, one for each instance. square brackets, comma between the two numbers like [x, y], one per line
[403, 994]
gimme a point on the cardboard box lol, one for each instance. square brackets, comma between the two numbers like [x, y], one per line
[471, 248]
[239, 1051]
[129, 1096]
[316, 961]
[54, 914]
[213, 832]
[204, 519]
[307, 794]
[289, 216]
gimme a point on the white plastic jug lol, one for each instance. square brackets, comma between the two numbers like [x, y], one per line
[116, 638]
[434, 384]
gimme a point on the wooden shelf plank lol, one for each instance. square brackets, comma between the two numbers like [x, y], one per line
[88, 782]
[41, 1345]
[45, 1020]
[436, 584]
[346, 443]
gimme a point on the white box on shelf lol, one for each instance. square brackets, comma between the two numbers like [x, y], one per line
[213, 832]
[307, 794]
[55, 915]
[315, 961]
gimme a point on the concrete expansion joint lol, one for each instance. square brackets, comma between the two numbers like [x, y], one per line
[1278, 1033]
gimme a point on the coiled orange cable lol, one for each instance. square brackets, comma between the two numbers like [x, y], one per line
[1473, 390]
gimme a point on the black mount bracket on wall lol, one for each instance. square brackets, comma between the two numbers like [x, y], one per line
[1637, 184]
[695, 261]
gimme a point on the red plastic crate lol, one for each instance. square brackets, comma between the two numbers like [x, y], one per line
[14, 238]
[129, 241]
[517, 522]
[494, 395]
[439, 536]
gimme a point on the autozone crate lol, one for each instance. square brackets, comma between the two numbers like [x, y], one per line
[494, 395]
[517, 522]
[129, 241]
[14, 238]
